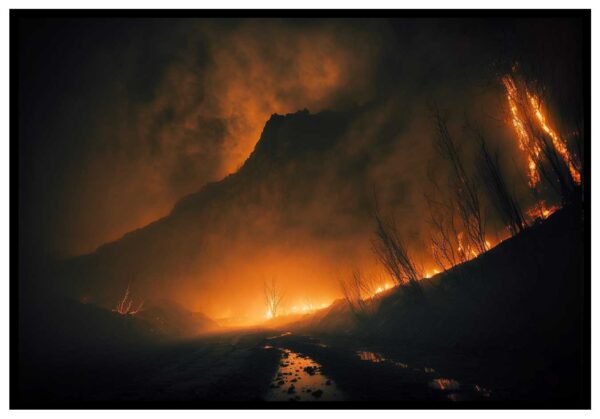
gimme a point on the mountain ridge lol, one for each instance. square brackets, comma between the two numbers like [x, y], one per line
[255, 205]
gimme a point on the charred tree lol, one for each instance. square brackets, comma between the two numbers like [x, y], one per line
[393, 254]
[503, 200]
[443, 235]
[464, 189]
[358, 293]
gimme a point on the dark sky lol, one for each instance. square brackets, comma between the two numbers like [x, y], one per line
[121, 118]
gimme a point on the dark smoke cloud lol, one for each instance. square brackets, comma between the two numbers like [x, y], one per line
[121, 119]
[160, 108]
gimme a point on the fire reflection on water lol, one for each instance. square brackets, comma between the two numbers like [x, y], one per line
[444, 384]
[299, 378]
[453, 389]
[378, 358]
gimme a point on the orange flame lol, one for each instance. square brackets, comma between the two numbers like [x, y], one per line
[524, 141]
[125, 305]
[520, 109]
[559, 144]
[541, 211]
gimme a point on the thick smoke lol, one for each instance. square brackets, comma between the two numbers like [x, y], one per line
[189, 108]
[185, 104]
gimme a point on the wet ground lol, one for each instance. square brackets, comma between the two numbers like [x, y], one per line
[250, 365]
[299, 378]
[339, 371]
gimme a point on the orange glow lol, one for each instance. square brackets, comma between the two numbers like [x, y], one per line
[125, 305]
[297, 309]
[216, 113]
[465, 251]
[429, 274]
[444, 384]
[247, 88]
[524, 141]
[527, 111]
[558, 143]
[304, 308]
[541, 211]
[381, 288]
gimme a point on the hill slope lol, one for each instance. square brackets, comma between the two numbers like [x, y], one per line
[514, 316]
[211, 237]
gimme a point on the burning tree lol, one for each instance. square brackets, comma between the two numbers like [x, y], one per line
[273, 297]
[547, 152]
[125, 305]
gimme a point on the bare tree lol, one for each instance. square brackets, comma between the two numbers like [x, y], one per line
[503, 200]
[465, 191]
[393, 254]
[555, 170]
[125, 305]
[273, 297]
[443, 234]
[358, 292]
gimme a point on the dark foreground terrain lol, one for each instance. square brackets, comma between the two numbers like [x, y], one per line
[508, 326]
[512, 320]
[251, 365]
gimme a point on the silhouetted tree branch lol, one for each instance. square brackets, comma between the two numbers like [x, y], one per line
[358, 292]
[503, 200]
[125, 305]
[465, 191]
[273, 297]
[393, 254]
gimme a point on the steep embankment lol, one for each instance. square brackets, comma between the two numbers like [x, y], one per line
[513, 317]
[532, 271]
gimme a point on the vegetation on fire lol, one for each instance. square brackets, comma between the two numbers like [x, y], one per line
[457, 215]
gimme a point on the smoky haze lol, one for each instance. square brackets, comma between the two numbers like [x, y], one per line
[122, 120]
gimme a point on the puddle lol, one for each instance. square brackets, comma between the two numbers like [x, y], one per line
[444, 384]
[455, 392]
[370, 356]
[451, 388]
[299, 378]
[279, 336]
[378, 358]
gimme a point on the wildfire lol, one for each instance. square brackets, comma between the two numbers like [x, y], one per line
[541, 211]
[429, 274]
[558, 143]
[125, 305]
[524, 141]
[444, 384]
[465, 251]
[527, 110]
[383, 288]
[304, 308]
